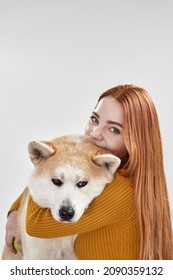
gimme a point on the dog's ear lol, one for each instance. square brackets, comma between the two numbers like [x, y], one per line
[109, 161]
[39, 150]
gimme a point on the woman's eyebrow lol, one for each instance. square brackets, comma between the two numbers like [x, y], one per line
[97, 115]
[109, 122]
[116, 123]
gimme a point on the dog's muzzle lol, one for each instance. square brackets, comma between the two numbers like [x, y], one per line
[66, 213]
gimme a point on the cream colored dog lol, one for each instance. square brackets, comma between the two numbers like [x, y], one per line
[69, 172]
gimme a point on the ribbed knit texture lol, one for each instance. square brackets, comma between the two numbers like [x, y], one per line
[107, 230]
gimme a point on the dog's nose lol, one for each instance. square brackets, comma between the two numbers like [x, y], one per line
[66, 213]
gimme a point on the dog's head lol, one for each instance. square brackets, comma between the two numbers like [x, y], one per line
[69, 172]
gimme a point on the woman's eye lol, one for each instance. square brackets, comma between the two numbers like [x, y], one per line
[82, 184]
[94, 119]
[114, 130]
[57, 182]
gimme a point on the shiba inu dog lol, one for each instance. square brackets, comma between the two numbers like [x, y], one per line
[69, 172]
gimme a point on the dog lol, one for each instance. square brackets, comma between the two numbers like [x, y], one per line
[68, 173]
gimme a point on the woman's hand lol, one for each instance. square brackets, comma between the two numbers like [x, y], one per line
[12, 232]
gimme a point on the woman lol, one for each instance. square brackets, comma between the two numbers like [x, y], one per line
[131, 219]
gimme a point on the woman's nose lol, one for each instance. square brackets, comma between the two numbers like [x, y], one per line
[96, 134]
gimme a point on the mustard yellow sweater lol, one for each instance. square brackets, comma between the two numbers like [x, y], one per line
[107, 230]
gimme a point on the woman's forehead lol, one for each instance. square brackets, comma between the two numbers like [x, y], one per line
[110, 110]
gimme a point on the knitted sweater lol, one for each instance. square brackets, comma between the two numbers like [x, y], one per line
[107, 230]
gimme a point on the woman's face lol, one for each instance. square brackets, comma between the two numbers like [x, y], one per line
[105, 126]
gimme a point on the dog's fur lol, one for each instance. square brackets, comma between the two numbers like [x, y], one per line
[69, 172]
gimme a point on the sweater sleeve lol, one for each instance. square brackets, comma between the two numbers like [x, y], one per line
[110, 207]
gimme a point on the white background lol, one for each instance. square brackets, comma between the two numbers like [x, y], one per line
[57, 57]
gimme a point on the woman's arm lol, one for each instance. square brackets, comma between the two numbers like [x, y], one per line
[12, 231]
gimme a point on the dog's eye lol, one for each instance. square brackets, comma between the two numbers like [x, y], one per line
[57, 182]
[82, 184]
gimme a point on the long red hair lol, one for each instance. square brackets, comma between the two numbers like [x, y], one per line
[144, 165]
